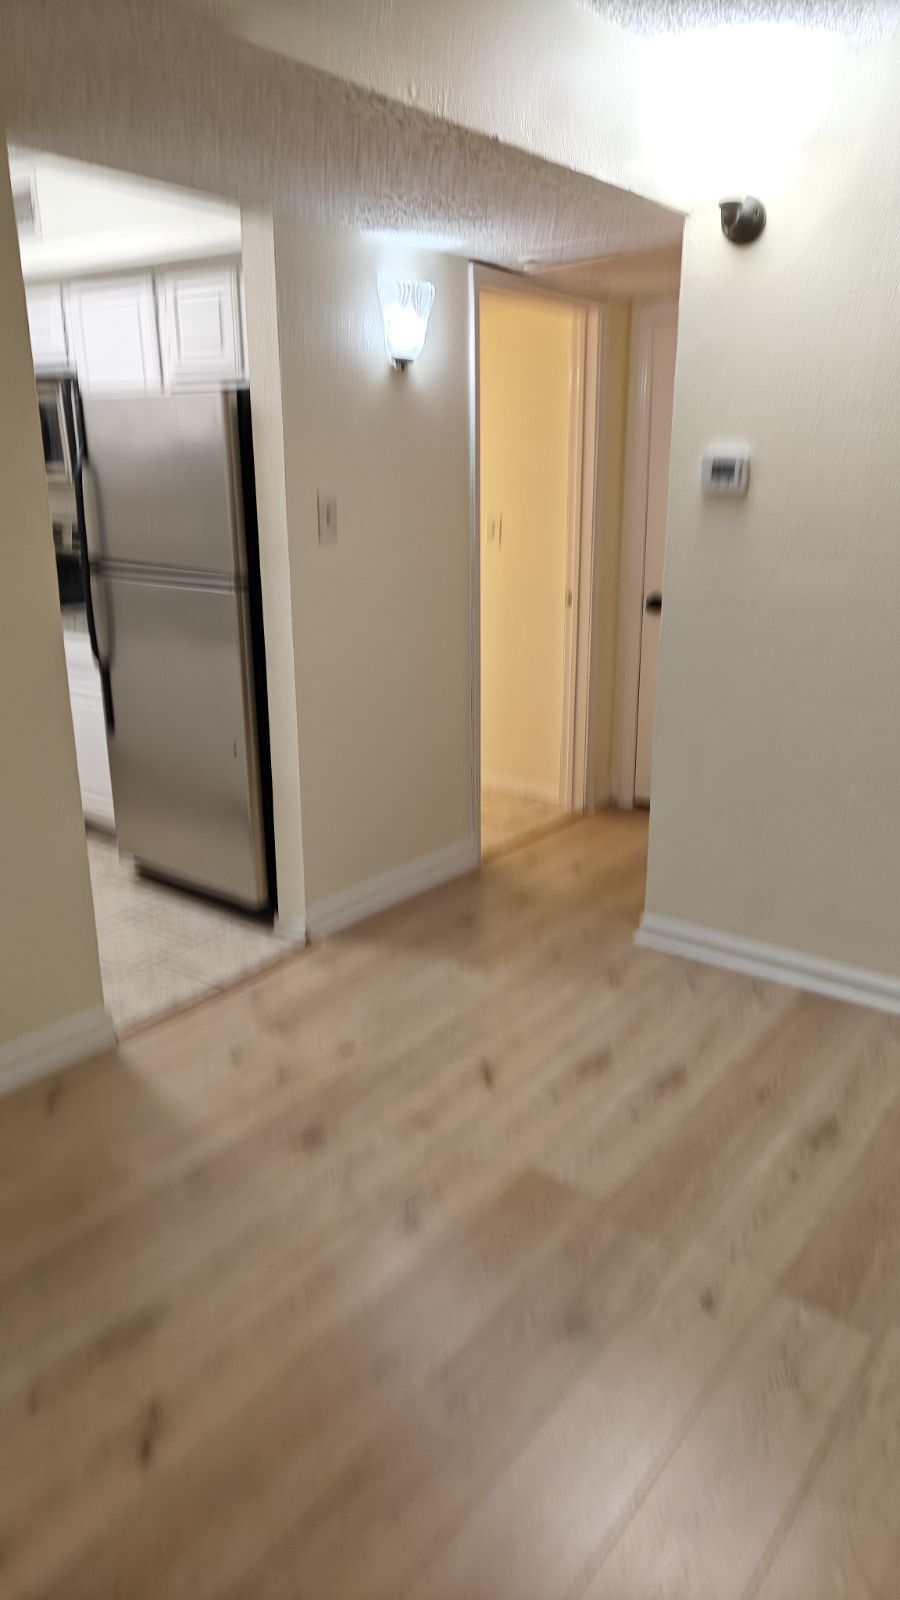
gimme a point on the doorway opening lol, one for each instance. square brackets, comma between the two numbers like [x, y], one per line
[135, 306]
[534, 579]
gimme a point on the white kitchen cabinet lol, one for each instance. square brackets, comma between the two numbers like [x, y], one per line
[90, 730]
[47, 327]
[113, 332]
[200, 326]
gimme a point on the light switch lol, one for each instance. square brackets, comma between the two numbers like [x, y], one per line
[726, 469]
[327, 517]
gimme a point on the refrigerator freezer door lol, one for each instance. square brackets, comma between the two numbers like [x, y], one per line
[183, 756]
[165, 477]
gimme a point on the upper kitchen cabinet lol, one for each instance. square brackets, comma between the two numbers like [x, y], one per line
[112, 328]
[47, 327]
[200, 327]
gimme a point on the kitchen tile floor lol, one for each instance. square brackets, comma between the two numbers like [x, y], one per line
[159, 946]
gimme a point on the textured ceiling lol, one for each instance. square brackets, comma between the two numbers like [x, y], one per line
[149, 87]
[856, 19]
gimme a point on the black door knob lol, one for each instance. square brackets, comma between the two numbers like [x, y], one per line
[653, 602]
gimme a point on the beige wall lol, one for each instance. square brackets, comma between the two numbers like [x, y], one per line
[381, 617]
[777, 761]
[526, 367]
[48, 949]
[777, 773]
[550, 76]
[777, 768]
[680, 117]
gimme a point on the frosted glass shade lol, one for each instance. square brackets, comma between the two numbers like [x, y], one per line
[405, 306]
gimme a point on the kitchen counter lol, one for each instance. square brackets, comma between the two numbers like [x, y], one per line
[88, 721]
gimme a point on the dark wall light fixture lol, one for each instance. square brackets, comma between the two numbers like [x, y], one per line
[742, 220]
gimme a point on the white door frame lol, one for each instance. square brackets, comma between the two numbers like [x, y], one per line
[585, 543]
[646, 317]
[577, 753]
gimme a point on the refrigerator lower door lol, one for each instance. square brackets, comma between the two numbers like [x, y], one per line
[182, 753]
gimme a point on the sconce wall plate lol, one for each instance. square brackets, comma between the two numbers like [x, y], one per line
[406, 307]
[743, 220]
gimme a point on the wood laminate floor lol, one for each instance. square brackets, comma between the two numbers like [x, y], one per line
[473, 1253]
[508, 819]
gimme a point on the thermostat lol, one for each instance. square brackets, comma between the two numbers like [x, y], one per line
[726, 469]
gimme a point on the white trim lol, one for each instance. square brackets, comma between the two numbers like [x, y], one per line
[390, 888]
[856, 985]
[98, 810]
[505, 280]
[574, 530]
[475, 274]
[521, 788]
[594, 408]
[645, 318]
[291, 931]
[60, 1044]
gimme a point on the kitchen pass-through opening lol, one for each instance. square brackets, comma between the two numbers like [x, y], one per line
[146, 421]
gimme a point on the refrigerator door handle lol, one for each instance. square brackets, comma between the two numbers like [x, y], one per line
[101, 656]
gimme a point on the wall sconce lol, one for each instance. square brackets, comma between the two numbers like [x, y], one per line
[405, 306]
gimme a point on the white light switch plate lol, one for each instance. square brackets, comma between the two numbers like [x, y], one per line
[327, 517]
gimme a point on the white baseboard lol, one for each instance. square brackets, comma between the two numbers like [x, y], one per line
[759, 960]
[33, 1055]
[389, 888]
[520, 788]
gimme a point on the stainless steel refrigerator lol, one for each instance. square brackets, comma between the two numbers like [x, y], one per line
[167, 508]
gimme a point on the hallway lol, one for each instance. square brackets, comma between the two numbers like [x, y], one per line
[507, 819]
[476, 1253]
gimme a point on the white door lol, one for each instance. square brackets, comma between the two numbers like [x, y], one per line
[526, 356]
[662, 383]
[200, 327]
[112, 325]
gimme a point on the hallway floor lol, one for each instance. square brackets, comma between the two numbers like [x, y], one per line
[159, 946]
[507, 819]
[476, 1253]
